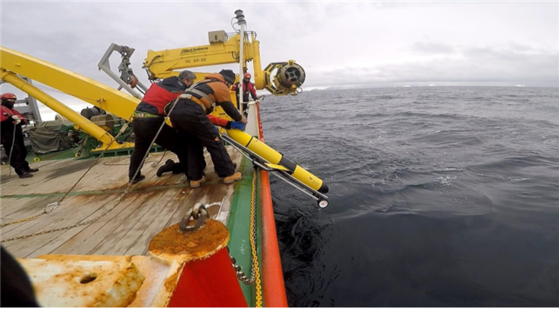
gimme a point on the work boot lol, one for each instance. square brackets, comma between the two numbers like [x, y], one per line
[197, 183]
[138, 179]
[25, 175]
[167, 167]
[233, 178]
[32, 170]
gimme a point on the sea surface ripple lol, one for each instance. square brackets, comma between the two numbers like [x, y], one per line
[439, 196]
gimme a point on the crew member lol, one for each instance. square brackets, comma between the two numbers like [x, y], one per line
[148, 118]
[248, 88]
[190, 119]
[12, 136]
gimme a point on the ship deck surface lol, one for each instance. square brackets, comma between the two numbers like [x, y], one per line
[150, 206]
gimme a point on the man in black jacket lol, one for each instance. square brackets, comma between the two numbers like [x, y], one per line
[148, 118]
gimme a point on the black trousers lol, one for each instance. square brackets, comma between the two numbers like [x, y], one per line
[144, 132]
[191, 122]
[19, 152]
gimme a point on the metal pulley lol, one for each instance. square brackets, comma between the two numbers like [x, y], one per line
[291, 74]
[284, 78]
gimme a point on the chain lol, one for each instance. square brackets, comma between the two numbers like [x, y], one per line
[45, 211]
[255, 271]
[21, 220]
[240, 274]
[199, 213]
[56, 204]
[63, 228]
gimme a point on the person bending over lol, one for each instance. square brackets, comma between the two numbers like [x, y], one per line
[190, 119]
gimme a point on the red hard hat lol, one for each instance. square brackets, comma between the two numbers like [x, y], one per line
[9, 96]
[247, 75]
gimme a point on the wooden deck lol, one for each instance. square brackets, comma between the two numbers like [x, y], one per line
[127, 229]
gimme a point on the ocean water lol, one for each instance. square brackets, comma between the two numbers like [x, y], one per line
[439, 196]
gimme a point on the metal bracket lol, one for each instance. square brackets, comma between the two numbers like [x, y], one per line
[126, 72]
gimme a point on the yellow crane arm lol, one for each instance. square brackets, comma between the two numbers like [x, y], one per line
[278, 78]
[161, 64]
[101, 135]
[81, 87]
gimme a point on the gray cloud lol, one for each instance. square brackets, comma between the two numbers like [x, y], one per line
[475, 66]
[360, 44]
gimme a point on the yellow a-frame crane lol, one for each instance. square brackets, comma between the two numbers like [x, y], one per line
[278, 78]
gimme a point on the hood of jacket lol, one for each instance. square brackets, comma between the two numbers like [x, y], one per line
[215, 76]
[174, 82]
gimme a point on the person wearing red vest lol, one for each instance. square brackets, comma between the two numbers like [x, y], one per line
[148, 118]
[12, 136]
[248, 88]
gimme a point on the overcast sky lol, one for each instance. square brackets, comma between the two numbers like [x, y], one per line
[362, 44]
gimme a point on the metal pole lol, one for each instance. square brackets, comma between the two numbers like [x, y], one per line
[242, 23]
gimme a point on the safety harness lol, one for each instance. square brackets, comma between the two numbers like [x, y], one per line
[191, 91]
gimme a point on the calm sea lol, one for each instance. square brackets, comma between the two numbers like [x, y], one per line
[439, 196]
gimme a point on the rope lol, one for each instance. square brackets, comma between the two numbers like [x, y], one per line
[57, 203]
[253, 243]
[174, 104]
[155, 164]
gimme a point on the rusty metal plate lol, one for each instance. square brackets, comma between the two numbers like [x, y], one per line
[62, 282]
[171, 244]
